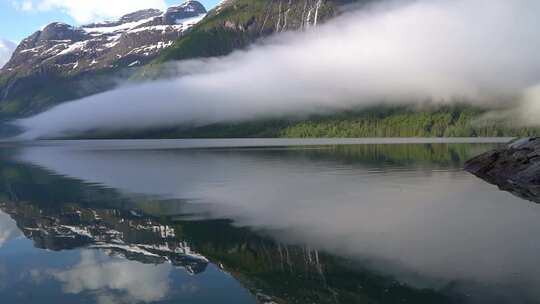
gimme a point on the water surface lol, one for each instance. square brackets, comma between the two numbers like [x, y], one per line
[323, 221]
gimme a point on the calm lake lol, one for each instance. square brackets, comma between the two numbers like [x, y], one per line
[261, 221]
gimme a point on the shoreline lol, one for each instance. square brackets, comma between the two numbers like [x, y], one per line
[252, 142]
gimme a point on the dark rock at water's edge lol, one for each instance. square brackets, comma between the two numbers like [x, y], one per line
[514, 167]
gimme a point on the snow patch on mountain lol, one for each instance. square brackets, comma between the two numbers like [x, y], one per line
[118, 28]
[135, 37]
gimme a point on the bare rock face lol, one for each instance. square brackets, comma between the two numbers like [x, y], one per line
[189, 9]
[514, 168]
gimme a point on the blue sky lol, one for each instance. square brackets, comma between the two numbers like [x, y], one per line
[17, 23]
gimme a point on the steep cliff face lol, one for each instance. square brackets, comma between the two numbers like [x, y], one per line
[60, 61]
[235, 24]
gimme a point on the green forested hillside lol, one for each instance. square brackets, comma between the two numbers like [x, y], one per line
[238, 23]
[381, 121]
[447, 121]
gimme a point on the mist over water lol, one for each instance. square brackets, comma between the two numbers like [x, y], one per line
[480, 51]
[408, 211]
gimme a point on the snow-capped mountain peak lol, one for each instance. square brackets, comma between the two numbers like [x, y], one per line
[131, 40]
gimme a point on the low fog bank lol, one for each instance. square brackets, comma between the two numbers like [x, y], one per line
[481, 51]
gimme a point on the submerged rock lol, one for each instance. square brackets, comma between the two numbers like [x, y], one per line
[514, 167]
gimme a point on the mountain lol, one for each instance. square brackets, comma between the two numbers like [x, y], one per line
[62, 62]
[235, 24]
[6, 49]
[131, 40]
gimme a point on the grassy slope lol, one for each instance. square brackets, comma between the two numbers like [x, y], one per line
[234, 27]
[37, 93]
[210, 38]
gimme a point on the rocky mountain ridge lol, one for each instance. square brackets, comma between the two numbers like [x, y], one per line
[133, 39]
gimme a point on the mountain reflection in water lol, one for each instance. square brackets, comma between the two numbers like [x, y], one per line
[334, 224]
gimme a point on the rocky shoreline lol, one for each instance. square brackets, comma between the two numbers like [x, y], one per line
[514, 167]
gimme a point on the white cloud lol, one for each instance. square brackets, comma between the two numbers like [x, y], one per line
[85, 11]
[6, 49]
[23, 5]
[129, 281]
[8, 229]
